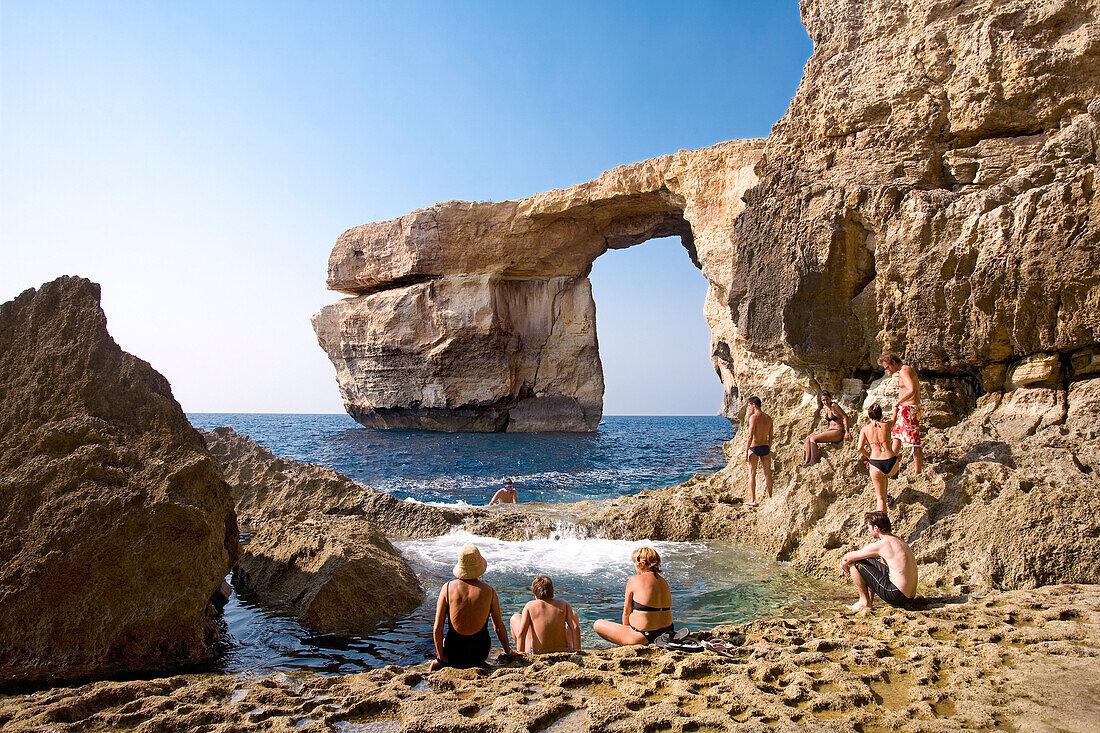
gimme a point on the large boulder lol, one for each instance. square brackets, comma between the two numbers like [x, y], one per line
[336, 574]
[116, 526]
[318, 547]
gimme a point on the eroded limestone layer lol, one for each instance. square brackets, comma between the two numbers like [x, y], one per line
[479, 316]
[1025, 660]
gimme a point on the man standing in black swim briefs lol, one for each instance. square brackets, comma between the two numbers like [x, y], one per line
[759, 447]
[886, 567]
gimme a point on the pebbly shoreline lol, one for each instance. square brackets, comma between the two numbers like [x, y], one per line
[1015, 660]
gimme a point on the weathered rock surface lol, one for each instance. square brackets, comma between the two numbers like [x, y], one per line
[116, 526]
[930, 191]
[1026, 660]
[337, 574]
[479, 316]
[267, 487]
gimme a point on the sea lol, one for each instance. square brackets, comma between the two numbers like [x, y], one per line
[712, 582]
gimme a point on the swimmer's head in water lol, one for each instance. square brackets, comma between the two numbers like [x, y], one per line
[646, 558]
[543, 588]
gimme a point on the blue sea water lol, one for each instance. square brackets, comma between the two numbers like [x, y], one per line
[712, 583]
[625, 455]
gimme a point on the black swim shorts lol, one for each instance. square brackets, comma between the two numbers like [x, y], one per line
[761, 450]
[877, 577]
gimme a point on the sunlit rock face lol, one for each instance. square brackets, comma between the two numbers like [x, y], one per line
[931, 191]
[479, 316]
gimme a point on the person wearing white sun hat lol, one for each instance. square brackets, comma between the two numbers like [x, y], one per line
[462, 614]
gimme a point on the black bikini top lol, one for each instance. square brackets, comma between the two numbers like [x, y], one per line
[635, 606]
[832, 418]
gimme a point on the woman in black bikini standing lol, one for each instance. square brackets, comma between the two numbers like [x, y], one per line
[464, 608]
[836, 428]
[875, 445]
[647, 610]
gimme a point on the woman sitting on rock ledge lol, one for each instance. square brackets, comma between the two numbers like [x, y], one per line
[465, 606]
[643, 620]
[836, 428]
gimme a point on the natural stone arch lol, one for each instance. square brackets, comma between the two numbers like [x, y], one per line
[479, 316]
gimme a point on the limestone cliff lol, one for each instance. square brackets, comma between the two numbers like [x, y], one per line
[931, 191]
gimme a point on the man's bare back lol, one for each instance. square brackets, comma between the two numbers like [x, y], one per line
[760, 429]
[548, 626]
[900, 559]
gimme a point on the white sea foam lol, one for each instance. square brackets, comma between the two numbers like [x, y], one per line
[564, 556]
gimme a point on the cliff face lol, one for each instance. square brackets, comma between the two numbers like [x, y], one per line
[931, 191]
[479, 316]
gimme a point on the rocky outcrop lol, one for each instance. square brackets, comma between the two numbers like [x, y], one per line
[267, 487]
[479, 316]
[930, 191]
[316, 547]
[337, 574]
[116, 526]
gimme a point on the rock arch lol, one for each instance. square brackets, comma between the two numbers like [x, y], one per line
[479, 316]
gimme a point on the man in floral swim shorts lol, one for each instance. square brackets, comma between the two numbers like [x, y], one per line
[907, 408]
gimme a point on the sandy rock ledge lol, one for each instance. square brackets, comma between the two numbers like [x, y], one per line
[1019, 660]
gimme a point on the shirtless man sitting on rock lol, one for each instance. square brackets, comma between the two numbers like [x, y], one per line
[547, 624]
[907, 409]
[759, 447]
[886, 567]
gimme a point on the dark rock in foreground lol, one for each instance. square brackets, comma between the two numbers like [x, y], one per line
[115, 524]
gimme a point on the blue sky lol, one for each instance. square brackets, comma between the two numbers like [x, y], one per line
[200, 159]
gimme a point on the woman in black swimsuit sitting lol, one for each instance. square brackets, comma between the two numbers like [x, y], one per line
[836, 428]
[876, 446]
[465, 606]
[647, 610]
